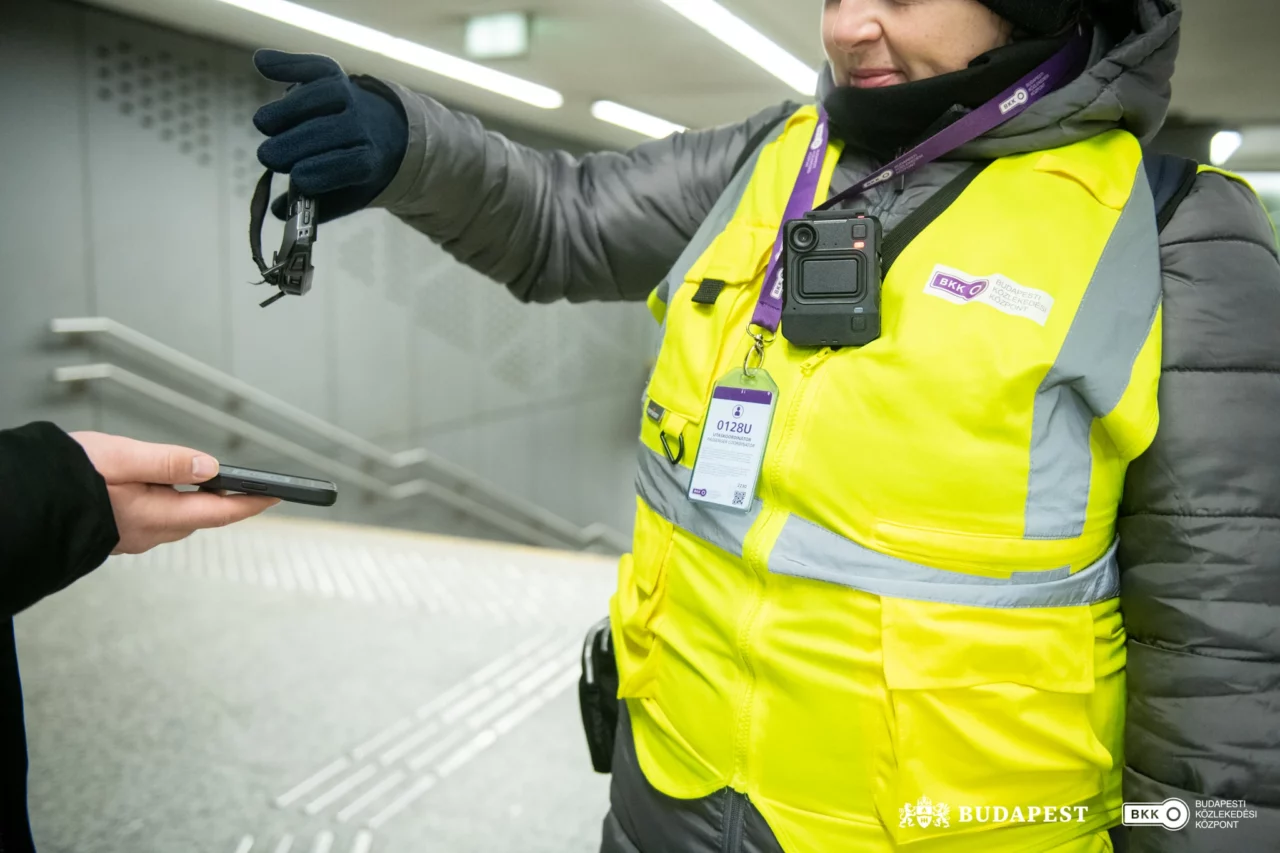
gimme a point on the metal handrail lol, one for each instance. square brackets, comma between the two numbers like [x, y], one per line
[237, 387]
[308, 457]
[464, 480]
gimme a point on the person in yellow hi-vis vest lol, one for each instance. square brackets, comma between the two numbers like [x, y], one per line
[957, 482]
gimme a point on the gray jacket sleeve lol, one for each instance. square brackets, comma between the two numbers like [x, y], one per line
[1200, 534]
[607, 226]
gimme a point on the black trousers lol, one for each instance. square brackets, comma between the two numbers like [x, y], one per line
[642, 819]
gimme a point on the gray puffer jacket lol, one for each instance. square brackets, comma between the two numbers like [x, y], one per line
[1200, 521]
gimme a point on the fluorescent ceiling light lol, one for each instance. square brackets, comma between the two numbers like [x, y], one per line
[634, 120]
[1224, 145]
[403, 50]
[748, 41]
[501, 36]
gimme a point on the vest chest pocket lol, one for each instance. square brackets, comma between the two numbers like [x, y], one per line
[1000, 707]
[707, 317]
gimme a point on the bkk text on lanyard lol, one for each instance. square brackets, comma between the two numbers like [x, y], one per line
[736, 428]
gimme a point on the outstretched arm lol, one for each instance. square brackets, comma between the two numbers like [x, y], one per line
[607, 226]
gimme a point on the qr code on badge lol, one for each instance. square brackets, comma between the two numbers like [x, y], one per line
[739, 498]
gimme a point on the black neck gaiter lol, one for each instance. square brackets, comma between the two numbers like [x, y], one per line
[884, 122]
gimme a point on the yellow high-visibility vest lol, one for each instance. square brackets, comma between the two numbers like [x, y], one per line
[920, 612]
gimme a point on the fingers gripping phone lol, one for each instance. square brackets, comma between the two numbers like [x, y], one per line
[249, 481]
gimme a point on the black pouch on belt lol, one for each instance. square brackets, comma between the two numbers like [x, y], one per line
[598, 695]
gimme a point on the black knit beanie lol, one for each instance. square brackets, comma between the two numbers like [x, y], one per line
[1037, 17]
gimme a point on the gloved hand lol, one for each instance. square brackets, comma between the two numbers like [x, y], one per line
[339, 142]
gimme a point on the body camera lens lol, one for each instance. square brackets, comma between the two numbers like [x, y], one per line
[803, 238]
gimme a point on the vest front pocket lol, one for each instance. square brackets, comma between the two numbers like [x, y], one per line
[996, 707]
[637, 604]
[706, 320]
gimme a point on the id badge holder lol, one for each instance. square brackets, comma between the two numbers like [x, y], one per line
[735, 433]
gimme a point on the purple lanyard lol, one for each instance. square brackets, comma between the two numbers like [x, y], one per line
[1059, 69]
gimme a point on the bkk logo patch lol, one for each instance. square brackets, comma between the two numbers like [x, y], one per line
[886, 175]
[997, 291]
[1019, 98]
[813, 159]
[776, 292]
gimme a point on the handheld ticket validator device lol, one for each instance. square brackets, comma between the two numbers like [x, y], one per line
[291, 268]
[832, 263]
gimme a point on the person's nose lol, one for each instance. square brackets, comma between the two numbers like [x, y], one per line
[856, 23]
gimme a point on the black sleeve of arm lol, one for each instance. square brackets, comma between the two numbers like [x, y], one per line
[1200, 535]
[551, 226]
[56, 523]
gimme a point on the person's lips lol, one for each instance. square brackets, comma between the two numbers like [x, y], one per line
[876, 78]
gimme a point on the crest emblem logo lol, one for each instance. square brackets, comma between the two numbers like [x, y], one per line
[925, 813]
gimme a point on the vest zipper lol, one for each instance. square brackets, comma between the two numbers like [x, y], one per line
[816, 361]
[735, 817]
[753, 556]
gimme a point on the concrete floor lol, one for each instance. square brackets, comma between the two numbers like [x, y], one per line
[296, 687]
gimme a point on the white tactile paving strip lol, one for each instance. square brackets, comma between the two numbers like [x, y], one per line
[374, 567]
[295, 687]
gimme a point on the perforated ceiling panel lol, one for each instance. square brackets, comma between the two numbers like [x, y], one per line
[245, 93]
[163, 93]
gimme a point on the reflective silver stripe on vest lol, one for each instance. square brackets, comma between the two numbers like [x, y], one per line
[807, 550]
[726, 207]
[664, 487]
[1093, 369]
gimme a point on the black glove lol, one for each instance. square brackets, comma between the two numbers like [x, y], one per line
[340, 142]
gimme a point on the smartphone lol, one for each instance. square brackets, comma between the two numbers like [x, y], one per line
[301, 490]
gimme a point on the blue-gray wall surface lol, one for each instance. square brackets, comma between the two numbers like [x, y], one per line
[128, 164]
